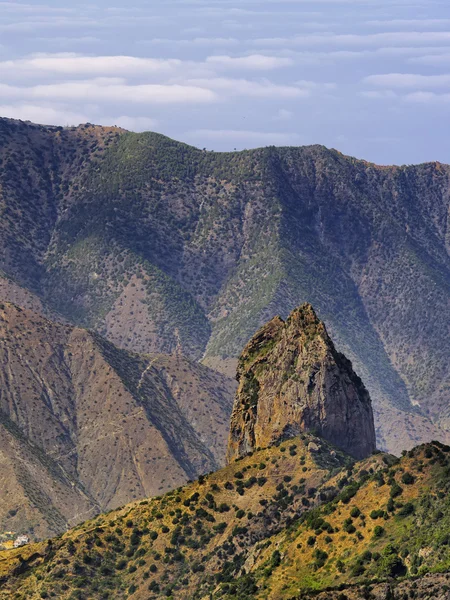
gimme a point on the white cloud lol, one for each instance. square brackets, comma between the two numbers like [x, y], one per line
[379, 94]
[413, 38]
[315, 85]
[243, 137]
[283, 115]
[103, 91]
[74, 64]
[408, 80]
[199, 41]
[433, 59]
[428, 98]
[32, 8]
[244, 87]
[253, 62]
[42, 114]
[131, 123]
[421, 23]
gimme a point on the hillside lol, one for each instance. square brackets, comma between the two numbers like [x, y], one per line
[285, 521]
[159, 246]
[86, 427]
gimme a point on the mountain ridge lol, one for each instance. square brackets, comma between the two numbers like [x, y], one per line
[158, 246]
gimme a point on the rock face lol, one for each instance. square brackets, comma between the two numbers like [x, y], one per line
[292, 380]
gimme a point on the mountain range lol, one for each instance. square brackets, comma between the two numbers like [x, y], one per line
[163, 248]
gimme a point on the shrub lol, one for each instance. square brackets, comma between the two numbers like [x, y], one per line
[340, 566]
[275, 561]
[357, 570]
[407, 478]
[321, 558]
[391, 564]
[396, 490]
[378, 531]
[407, 509]
[348, 493]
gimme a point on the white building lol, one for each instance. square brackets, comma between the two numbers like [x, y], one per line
[21, 540]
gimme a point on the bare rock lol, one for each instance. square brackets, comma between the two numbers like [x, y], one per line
[292, 380]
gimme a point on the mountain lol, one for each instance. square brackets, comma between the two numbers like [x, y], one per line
[318, 390]
[86, 427]
[159, 246]
[293, 520]
[285, 522]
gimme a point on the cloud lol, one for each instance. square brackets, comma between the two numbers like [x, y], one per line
[433, 59]
[18, 7]
[409, 23]
[240, 138]
[199, 41]
[413, 38]
[315, 85]
[283, 115]
[105, 91]
[74, 64]
[252, 62]
[379, 94]
[244, 87]
[42, 114]
[427, 98]
[131, 123]
[408, 80]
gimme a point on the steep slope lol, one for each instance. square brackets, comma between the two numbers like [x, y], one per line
[102, 424]
[283, 523]
[292, 380]
[160, 246]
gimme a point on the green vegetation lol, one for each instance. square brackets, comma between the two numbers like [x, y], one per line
[193, 542]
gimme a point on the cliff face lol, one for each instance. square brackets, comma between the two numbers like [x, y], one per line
[292, 380]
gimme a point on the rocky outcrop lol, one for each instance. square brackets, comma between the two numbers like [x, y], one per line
[292, 380]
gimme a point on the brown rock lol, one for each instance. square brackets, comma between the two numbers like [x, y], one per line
[291, 380]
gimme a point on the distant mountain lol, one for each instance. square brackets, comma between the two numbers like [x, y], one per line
[160, 247]
[86, 427]
[291, 381]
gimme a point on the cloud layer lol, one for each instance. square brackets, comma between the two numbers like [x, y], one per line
[223, 75]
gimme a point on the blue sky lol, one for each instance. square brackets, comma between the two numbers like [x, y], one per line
[370, 78]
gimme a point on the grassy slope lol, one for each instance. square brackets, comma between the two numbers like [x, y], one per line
[266, 541]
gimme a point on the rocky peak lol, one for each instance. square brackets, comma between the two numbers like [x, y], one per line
[293, 380]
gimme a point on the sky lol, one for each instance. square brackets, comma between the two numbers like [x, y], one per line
[370, 78]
